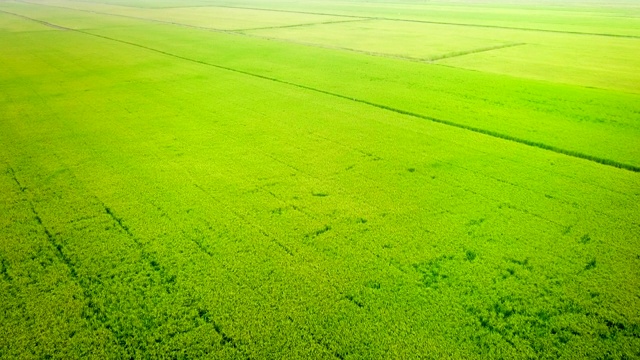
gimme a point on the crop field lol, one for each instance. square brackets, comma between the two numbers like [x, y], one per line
[253, 179]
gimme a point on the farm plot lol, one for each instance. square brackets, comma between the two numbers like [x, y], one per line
[172, 192]
[579, 59]
[590, 123]
[420, 42]
[592, 61]
[616, 19]
[586, 60]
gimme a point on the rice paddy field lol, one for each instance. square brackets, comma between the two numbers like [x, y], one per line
[306, 179]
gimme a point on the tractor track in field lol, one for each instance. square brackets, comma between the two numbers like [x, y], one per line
[247, 221]
[168, 281]
[89, 308]
[343, 295]
[204, 314]
[50, 237]
[495, 134]
[91, 311]
[512, 28]
[525, 188]
[257, 290]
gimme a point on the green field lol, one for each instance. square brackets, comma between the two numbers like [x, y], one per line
[257, 179]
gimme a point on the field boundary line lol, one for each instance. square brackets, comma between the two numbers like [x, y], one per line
[492, 133]
[301, 25]
[512, 28]
[473, 51]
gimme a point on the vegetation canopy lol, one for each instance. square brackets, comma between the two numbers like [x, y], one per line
[267, 179]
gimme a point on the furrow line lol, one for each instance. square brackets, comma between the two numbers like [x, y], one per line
[507, 204]
[246, 8]
[333, 47]
[495, 134]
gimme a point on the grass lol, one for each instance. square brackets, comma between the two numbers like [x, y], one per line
[168, 191]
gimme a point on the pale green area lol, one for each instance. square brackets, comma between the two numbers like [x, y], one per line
[420, 42]
[585, 18]
[171, 197]
[11, 24]
[219, 18]
[592, 61]
[587, 60]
